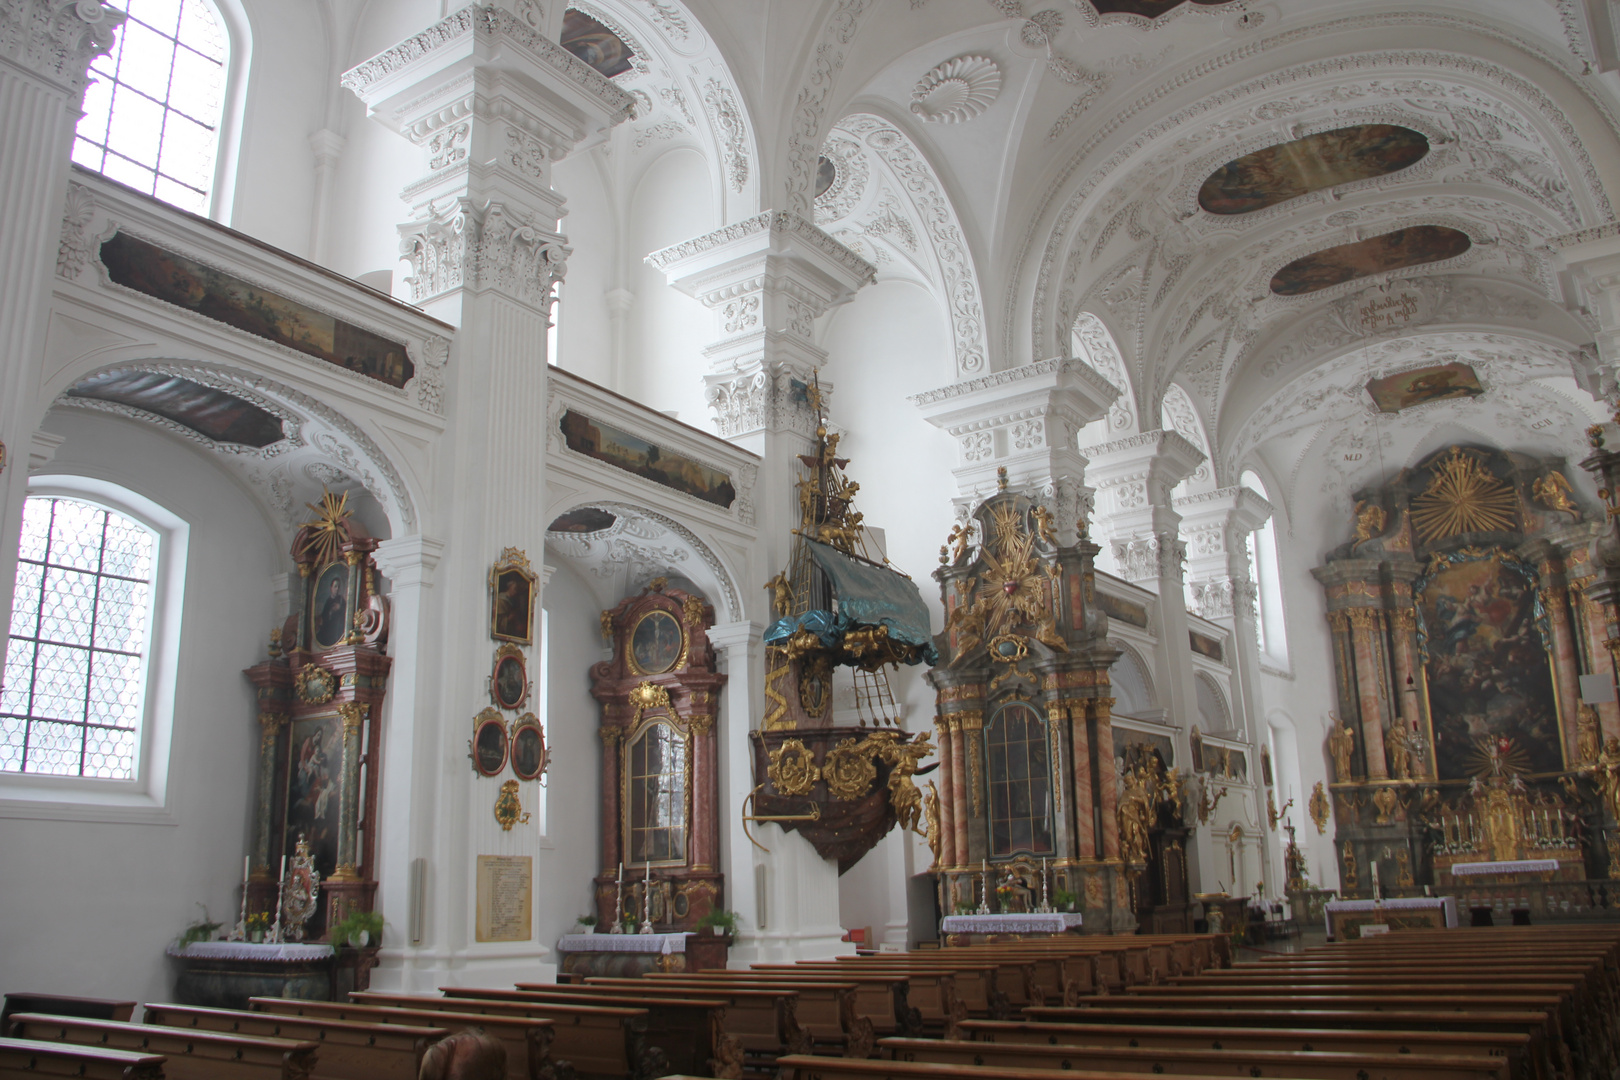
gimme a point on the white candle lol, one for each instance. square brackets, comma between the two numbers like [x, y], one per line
[621, 873]
[244, 869]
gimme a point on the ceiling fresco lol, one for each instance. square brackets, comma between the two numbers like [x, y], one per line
[1405, 389]
[1151, 9]
[587, 519]
[215, 414]
[595, 44]
[1323, 160]
[1390, 251]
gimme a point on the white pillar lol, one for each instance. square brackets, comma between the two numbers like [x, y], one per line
[492, 103]
[45, 50]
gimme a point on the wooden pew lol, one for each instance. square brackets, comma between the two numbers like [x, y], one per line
[879, 1000]
[1511, 1048]
[597, 1040]
[690, 1030]
[24, 1058]
[931, 1003]
[1296, 1064]
[527, 1039]
[826, 1011]
[350, 1050]
[192, 1055]
[63, 1005]
[765, 1021]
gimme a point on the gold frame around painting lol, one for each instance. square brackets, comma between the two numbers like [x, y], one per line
[504, 655]
[489, 719]
[634, 660]
[527, 722]
[511, 566]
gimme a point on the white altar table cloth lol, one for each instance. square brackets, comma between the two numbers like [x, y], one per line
[1514, 866]
[1404, 903]
[637, 943]
[1056, 922]
[248, 950]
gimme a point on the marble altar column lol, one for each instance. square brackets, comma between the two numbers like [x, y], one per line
[947, 803]
[1409, 685]
[45, 51]
[1366, 646]
[1087, 833]
[353, 714]
[492, 103]
[271, 727]
[1100, 723]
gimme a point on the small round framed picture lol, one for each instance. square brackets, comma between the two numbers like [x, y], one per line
[509, 678]
[489, 743]
[528, 747]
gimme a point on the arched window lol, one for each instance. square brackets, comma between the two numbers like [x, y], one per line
[152, 109]
[655, 779]
[1264, 569]
[74, 697]
[1020, 779]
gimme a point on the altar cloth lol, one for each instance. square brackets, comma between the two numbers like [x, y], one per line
[1513, 866]
[1034, 922]
[1447, 904]
[636, 943]
[248, 950]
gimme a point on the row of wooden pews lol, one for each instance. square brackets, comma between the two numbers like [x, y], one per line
[1517, 1003]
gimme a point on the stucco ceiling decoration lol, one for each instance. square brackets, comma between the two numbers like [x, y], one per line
[1064, 206]
[957, 90]
[638, 545]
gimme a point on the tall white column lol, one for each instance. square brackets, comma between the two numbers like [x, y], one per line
[492, 103]
[1593, 258]
[45, 50]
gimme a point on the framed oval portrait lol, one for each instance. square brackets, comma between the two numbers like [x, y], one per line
[489, 743]
[329, 606]
[656, 643]
[509, 680]
[528, 747]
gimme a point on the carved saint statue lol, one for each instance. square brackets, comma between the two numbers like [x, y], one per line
[1341, 743]
[1044, 531]
[931, 814]
[1370, 522]
[1552, 491]
[781, 594]
[1398, 743]
[1133, 821]
[1349, 879]
[1588, 738]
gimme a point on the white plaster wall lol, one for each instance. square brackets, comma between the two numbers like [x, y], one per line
[89, 906]
[568, 855]
[667, 331]
[584, 341]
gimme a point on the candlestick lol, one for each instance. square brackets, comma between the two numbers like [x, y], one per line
[1376, 897]
[1045, 907]
[281, 893]
[240, 933]
[646, 900]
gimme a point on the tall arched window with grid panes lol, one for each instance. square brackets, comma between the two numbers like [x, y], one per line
[152, 109]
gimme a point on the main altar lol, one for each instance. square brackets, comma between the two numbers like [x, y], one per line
[1476, 748]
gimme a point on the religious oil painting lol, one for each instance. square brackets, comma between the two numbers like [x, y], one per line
[329, 606]
[595, 44]
[489, 743]
[509, 682]
[149, 269]
[1488, 670]
[1117, 607]
[1323, 160]
[656, 643]
[314, 788]
[587, 519]
[1151, 9]
[512, 615]
[625, 451]
[1019, 780]
[1204, 645]
[1389, 251]
[528, 747]
[1441, 382]
[214, 414]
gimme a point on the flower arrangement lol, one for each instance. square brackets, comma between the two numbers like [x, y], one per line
[257, 925]
[1005, 894]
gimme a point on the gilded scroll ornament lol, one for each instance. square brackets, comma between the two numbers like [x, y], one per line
[936, 838]
[849, 772]
[1386, 801]
[1320, 807]
[509, 808]
[793, 770]
[648, 696]
[1463, 496]
[315, 685]
[1370, 522]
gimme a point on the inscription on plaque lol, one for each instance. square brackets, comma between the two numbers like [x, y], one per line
[505, 898]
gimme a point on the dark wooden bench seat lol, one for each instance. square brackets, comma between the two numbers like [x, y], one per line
[349, 1050]
[1296, 1064]
[879, 1000]
[826, 1011]
[690, 1030]
[23, 1058]
[764, 1021]
[191, 1054]
[528, 1040]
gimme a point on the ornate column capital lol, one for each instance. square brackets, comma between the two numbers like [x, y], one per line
[499, 247]
[57, 39]
[409, 561]
[1223, 597]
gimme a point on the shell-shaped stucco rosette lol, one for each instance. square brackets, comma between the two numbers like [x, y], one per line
[956, 90]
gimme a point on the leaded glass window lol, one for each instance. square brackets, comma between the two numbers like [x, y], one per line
[75, 680]
[1020, 780]
[655, 778]
[152, 108]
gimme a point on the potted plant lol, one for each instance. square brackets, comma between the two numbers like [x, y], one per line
[358, 928]
[706, 950]
[588, 922]
[258, 925]
[1063, 899]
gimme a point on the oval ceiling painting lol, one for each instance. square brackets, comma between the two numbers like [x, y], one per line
[595, 44]
[1326, 159]
[1152, 9]
[1390, 251]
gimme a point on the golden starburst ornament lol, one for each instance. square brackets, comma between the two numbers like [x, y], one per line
[328, 530]
[1463, 497]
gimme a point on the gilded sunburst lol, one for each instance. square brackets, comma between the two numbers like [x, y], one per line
[328, 530]
[1463, 497]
